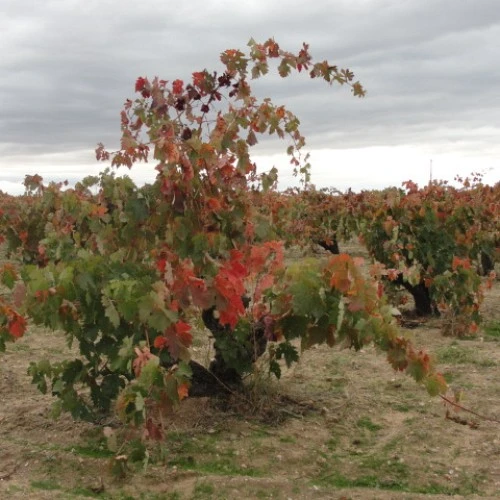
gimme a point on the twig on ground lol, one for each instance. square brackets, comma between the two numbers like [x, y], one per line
[463, 408]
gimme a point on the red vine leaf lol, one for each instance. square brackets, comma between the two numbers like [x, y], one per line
[17, 325]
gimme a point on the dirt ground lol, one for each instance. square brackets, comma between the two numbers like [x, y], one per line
[339, 425]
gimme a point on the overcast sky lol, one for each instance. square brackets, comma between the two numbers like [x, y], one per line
[431, 69]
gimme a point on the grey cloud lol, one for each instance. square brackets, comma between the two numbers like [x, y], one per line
[430, 67]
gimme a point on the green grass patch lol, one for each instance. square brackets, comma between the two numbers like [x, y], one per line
[384, 471]
[18, 347]
[47, 485]
[338, 480]
[267, 494]
[204, 490]
[205, 454]
[366, 423]
[173, 495]
[455, 355]
[384, 465]
[492, 330]
[84, 492]
[13, 488]
[261, 432]
[182, 442]
[458, 355]
[402, 407]
[223, 466]
[99, 451]
[333, 443]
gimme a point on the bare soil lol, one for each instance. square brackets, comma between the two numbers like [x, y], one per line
[339, 425]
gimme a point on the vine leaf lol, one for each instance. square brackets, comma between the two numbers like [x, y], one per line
[110, 311]
[17, 326]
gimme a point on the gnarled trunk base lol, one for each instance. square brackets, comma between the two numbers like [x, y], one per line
[421, 296]
[332, 247]
[220, 378]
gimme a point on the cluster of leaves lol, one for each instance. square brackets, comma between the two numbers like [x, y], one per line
[429, 239]
[334, 302]
[12, 324]
[125, 271]
[459, 294]
[432, 241]
[307, 216]
[22, 224]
